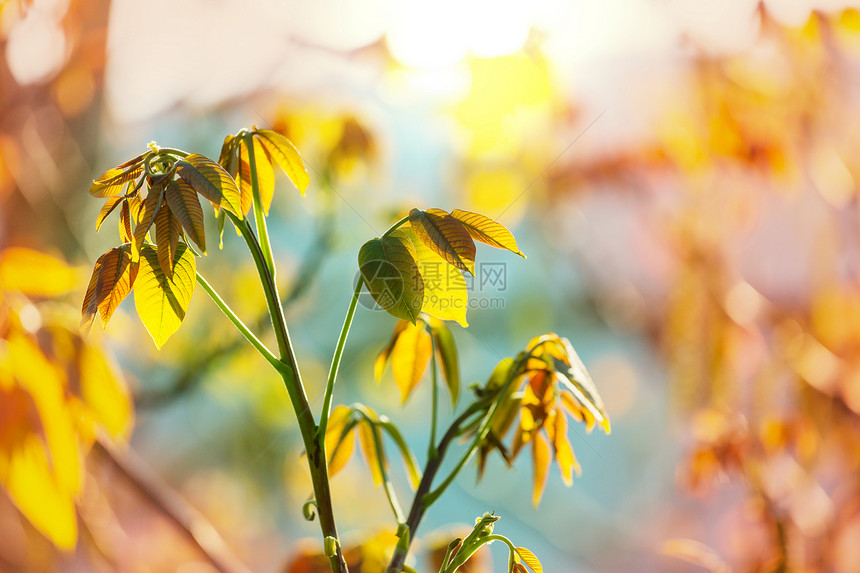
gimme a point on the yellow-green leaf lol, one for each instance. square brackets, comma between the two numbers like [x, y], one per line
[111, 182]
[576, 379]
[446, 295]
[529, 558]
[185, 206]
[339, 443]
[125, 233]
[541, 460]
[212, 181]
[409, 358]
[382, 357]
[144, 219]
[167, 230]
[162, 302]
[265, 176]
[112, 279]
[446, 236]
[446, 350]
[283, 152]
[368, 439]
[487, 231]
[105, 393]
[107, 209]
[390, 274]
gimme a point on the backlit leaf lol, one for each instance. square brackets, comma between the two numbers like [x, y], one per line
[167, 230]
[368, 438]
[382, 358]
[576, 379]
[390, 274]
[446, 350]
[221, 221]
[409, 358]
[185, 206]
[339, 443]
[212, 181]
[564, 455]
[125, 223]
[446, 236]
[284, 153]
[34, 273]
[487, 231]
[446, 295]
[529, 558]
[105, 393]
[541, 460]
[162, 302]
[144, 219]
[412, 471]
[112, 279]
[107, 209]
[265, 176]
[111, 182]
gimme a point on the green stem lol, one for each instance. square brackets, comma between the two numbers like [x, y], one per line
[335, 362]
[246, 332]
[431, 448]
[291, 376]
[259, 217]
[395, 226]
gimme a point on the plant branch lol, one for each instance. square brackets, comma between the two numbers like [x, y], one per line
[431, 449]
[259, 217]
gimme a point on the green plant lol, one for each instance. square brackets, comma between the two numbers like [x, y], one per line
[157, 194]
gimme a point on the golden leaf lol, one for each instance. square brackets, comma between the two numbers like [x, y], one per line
[161, 301]
[409, 358]
[446, 236]
[487, 231]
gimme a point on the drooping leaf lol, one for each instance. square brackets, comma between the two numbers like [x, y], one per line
[221, 220]
[576, 379]
[382, 357]
[446, 295]
[107, 209]
[409, 358]
[125, 232]
[227, 155]
[412, 471]
[34, 273]
[185, 206]
[487, 231]
[567, 462]
[265, 176]
[390, 274]
[368, 439]
[446, 350]
[529, 558]
[501, 373]
[144, 219]
[446, 236]
[167, 230]
[161, 302]
[111, 182]
[283, 152]
[105, 393]
[541, 460]
[112, 279]
[339, 443]
[212, 181]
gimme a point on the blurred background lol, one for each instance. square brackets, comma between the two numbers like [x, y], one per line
[682, 175]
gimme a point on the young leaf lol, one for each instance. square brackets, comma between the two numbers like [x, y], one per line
[185, 206]
[576, 379]
[446, 295]
[112, 279]
[107, 209]
[541, 460]
[282, 152]
[212, 181]
[144, 219]
[382, 357]
[567, 462]
[446, 350]
[409, 358]
[529, 558]
[167, 230]
[487, 231]
[339, 444]
[390, 274]
[265, 176]
[368, 438]
[161, 302]
[446, 236]
[124, 223]
[222, 220]
[35, 273]
[111, 182]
